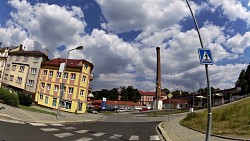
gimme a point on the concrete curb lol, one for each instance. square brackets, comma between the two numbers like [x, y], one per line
[163, 132]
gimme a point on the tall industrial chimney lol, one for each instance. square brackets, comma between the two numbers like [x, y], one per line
[158, 77]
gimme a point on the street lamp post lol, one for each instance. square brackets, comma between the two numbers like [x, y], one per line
[62, 84]
[209, 118]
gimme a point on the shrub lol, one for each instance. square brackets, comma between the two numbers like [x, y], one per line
[25, 99]
[8, 97]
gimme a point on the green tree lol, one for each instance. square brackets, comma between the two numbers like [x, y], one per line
[113, 94]
[244, 80]
[176, 93]
[166, 91]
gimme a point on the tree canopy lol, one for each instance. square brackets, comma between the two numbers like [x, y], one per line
[244, 80]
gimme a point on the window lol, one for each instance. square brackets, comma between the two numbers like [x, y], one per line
[83, 78]
[45, 72]
[43, 85]
[36, 59]
[11, 58]
[54, 102]
[33, 70]
[21, 68]
[73, 76]
[56, 88]
[80, 107]
[0, 74]
[41, 97]
[66, 104]
[30, 82]
[11, 77]
[25, 59]
[58, 75]
[8, 67]
[50, 73]
[65, 76]
[71, 90]
[19, 80]
[13, 67]
[82, 93]
[6, 76]
[86, 66]
[17, 58]
[46, 99]
[48, 86]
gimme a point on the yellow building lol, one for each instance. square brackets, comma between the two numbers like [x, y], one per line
[76, 78]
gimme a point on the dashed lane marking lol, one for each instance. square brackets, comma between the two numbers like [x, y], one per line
[62, 135]
[49, 129]
[84, 139]
[98, 134]
[115, 136]
[57, 124]
[134, 138]
[69, 128]
[38, 124]
[154, 138]
[81, 131]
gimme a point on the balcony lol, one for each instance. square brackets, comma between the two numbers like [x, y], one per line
[90, 87]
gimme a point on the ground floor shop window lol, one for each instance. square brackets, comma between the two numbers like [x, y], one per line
[80, 107]
[54, 102]
[46, 99]
[66, 104]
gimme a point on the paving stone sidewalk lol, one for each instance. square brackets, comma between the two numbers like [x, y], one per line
[17, 114]
[173, 131]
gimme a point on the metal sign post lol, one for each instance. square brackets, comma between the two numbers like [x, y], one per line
[60, 99]
[169, 97]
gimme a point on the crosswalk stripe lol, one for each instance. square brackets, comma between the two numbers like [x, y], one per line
[57, 124]
[115, 136]
[69, 128]
[84, 139]
[38, 124]
[49, 129]
[62, 135]
[81, 131]
[154, 138]
[98, 134]
[134, 138]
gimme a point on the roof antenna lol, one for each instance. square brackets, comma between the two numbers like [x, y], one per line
[24, 46]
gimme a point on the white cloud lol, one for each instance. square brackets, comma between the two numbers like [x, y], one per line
[239, 43]
[233, 9]
[49, 25]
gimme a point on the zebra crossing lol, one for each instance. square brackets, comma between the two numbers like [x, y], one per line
[61, 131]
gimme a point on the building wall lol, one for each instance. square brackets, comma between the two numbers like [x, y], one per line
[3, 57]
[46, 96]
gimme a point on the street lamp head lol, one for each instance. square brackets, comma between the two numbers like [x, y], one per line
[79, 48]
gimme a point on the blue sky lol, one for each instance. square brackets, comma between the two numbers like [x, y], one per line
[120, 37]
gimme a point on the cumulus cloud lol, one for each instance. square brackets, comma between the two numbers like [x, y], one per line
[48, 25]
[233, 9]
[239, 43]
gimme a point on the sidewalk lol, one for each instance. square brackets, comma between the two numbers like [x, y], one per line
[173, 131]
[20, 115]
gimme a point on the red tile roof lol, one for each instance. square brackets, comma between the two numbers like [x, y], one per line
[71, 63]
[175, 101]
[117, 102]
[147, 93]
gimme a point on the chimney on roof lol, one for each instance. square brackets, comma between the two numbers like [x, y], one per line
[21, 47]
[46, 52]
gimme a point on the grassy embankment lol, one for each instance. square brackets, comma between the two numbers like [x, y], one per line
[230, 120]
[36, 110]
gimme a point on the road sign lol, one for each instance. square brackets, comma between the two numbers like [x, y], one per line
[170, 95]
[205, 56]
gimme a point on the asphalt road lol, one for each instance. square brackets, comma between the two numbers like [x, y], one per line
[95, 131]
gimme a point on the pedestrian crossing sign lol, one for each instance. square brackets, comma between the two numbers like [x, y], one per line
[205, 56]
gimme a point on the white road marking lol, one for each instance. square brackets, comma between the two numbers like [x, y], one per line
[38, 124]
[62, 135]
[49, 129]
[115, 136]
[134, 138]
[69, 128]
[154, 138]
[81, 131]
[57, 124]
[84, 139]
[98, 134]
